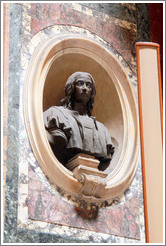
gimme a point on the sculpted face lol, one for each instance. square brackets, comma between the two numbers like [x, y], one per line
[82, 89]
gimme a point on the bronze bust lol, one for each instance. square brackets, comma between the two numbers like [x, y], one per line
[71, 129]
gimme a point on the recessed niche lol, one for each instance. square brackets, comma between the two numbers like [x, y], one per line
[107, 108]
[115, 106]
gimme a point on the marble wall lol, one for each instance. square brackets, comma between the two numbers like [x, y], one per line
[32, 204]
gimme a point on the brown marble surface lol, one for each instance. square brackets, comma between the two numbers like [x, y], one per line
[120, 220]
[120, 34]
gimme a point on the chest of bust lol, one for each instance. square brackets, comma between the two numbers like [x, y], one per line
[87, 124]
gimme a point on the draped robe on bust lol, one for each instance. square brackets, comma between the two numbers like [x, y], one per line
[84, 134]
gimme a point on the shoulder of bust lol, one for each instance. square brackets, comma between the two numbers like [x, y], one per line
[101, 126]
[99, 123]
[55, 110]
[58, 108]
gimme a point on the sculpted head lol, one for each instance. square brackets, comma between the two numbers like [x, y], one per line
[79, 86]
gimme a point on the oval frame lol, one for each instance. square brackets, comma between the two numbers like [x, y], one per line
[42, 59]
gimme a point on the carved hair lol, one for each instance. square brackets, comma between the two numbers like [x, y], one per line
[68, 101]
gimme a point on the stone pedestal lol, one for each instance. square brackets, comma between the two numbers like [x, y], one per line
[82, 159]
[84, 168]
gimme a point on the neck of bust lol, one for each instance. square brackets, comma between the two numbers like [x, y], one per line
[80, 108]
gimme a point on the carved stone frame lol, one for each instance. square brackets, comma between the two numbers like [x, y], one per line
[42, 59]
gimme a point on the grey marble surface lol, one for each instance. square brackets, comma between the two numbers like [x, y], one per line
[137, 13]
[11, 232]
[11, 189]
[143, 25]
[125, 11]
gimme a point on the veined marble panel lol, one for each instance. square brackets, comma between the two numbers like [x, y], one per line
[20, 157]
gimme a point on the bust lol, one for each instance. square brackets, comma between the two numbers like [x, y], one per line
[71, 129]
